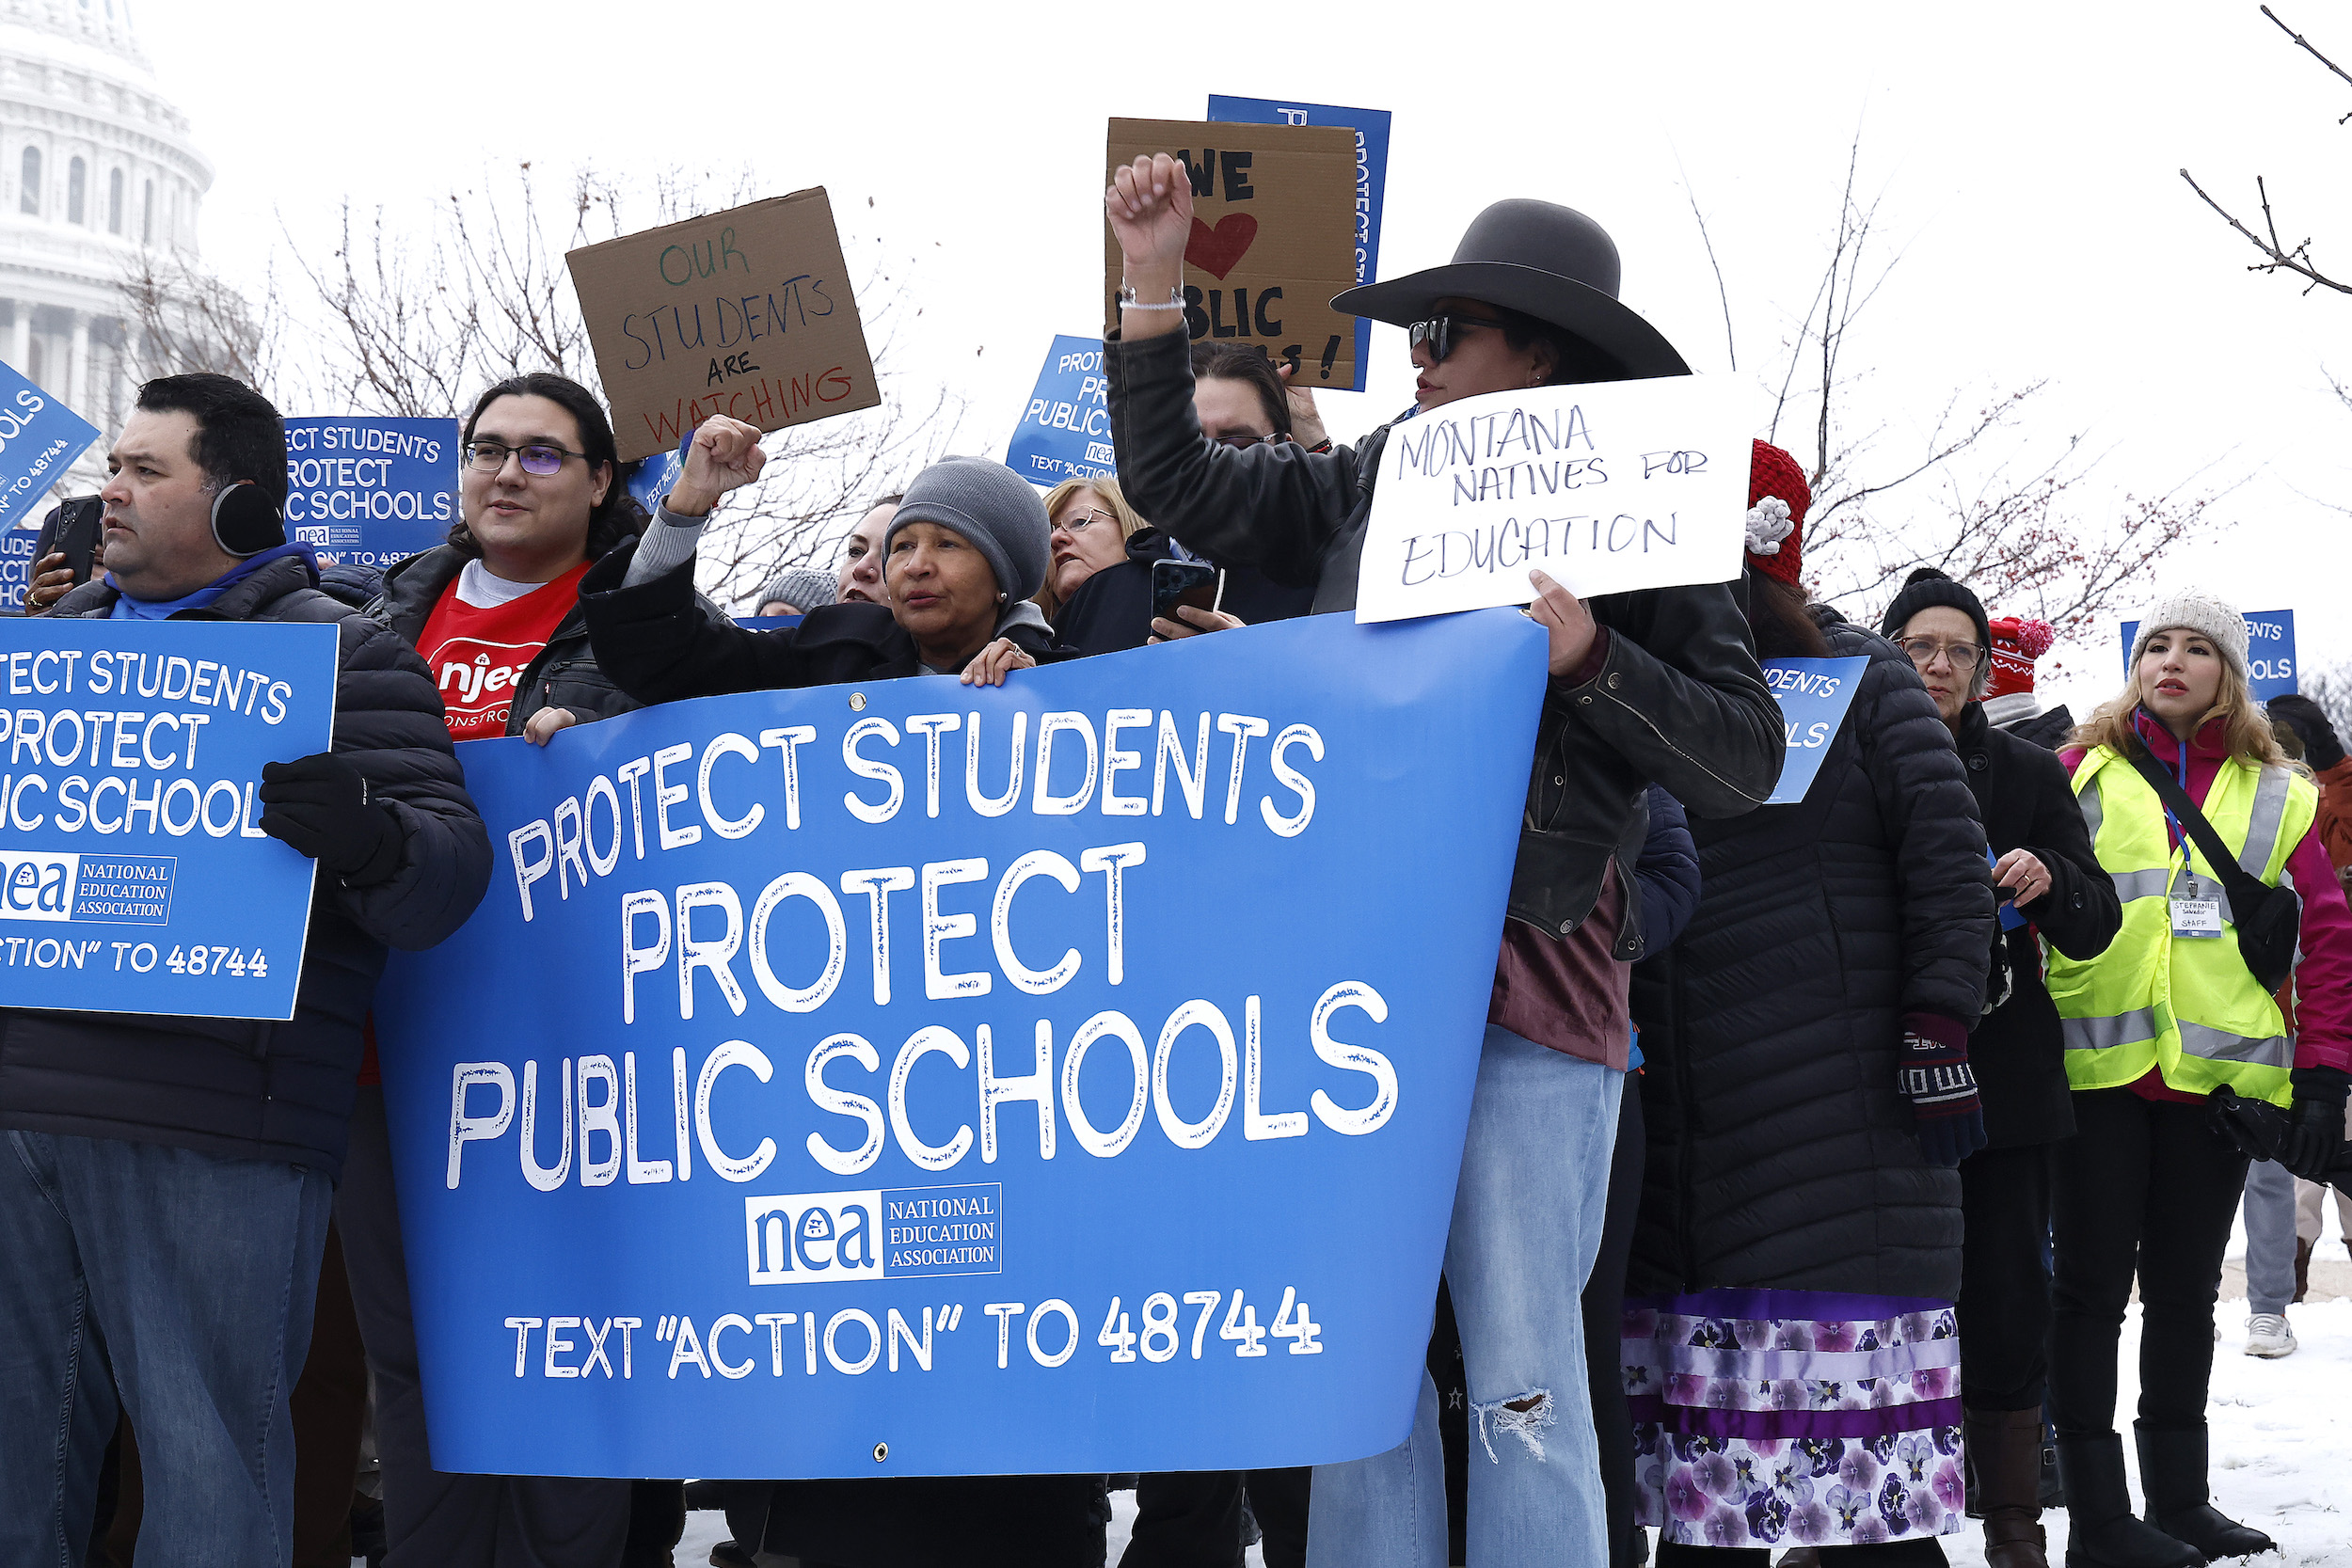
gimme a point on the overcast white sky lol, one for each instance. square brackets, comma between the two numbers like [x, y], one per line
[2026, 154]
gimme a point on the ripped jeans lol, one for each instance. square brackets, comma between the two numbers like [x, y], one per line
[1527, 1222]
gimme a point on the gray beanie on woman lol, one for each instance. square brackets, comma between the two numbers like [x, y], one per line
[804, 588]
[995, 509]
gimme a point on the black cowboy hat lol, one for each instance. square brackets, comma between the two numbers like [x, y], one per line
[1542, 259]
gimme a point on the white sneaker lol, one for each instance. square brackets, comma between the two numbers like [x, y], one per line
[2269, 1335]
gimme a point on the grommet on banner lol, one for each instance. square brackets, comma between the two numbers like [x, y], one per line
[858, 702]
[882, 1453]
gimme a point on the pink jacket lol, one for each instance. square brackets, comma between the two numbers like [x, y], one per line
[2323, 978]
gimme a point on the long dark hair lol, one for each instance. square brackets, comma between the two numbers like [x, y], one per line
[1778, 617]
[616, 517]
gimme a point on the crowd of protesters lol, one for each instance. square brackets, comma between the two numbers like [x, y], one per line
[1814, 1149]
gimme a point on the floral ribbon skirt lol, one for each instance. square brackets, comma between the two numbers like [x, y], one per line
[1799, 1416]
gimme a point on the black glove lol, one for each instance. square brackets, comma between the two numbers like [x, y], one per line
[2315, 1130]
[2321, 748]
[1947, 1117]
[320, 805]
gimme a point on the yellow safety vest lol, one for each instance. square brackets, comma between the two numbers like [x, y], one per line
[2186, 1006]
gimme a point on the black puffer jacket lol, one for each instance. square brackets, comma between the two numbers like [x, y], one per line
[1780, 1152]
[566, 673]
[2019, 1055]
[1677, 699]
[1112, 609]
[243, 1088]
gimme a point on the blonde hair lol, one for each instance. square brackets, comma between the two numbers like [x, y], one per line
[1129, 526]
[2245, 726]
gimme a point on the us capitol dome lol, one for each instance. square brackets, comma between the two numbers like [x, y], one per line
[95, 166]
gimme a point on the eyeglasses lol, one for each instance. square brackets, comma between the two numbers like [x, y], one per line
[1441, 333]
[488, 457]
[1962, 656]
[1085, 520]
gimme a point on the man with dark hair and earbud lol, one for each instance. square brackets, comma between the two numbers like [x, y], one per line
[165, 1182]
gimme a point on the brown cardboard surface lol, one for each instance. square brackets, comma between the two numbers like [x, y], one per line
[1273, 238]
[746, 312]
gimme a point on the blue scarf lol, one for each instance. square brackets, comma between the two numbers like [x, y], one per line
[128, 608]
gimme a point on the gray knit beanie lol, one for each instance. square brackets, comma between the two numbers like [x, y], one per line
[804, 588]
[2193, 610]
[997, 511]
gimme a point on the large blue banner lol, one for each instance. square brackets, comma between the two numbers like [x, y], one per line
[916, 1078]
[39, 438]
[369, 490]
[1065, 432]
[134, 875]
[1371, 179]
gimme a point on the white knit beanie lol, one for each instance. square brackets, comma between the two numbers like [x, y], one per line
[2193, 610]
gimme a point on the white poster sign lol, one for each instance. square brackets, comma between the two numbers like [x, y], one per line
[1608, 488]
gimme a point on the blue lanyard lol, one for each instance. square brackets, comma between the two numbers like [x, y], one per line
[2189, 854]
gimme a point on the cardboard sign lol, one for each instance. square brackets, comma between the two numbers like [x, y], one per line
[1606, 487]
[1273, 236]
[1814, 695]
[2269, 652]
[888, 1101]
[39, 438]
[134, 876]
[747, 313]
[1371, 127]
[369, 491]
[1065, 432]
[16, 567]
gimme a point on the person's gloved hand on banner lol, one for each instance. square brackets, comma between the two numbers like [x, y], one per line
[2321, 747]
[2315, 1130]
[320, 805]
[1933, 1072]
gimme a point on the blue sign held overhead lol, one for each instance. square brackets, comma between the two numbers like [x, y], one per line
[134, 875]
[368, 490]
[39, 438]
[2269, 652]
[1814, 696]
[1065, 432]
[1372, 178]
[986, 1080]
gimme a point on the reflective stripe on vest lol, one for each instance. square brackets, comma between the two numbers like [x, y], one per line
[2186, 1006]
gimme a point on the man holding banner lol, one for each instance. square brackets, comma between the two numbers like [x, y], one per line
[166, 1178]
[1657, 685]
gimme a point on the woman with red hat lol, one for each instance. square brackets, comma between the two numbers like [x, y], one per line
[1790, 1348]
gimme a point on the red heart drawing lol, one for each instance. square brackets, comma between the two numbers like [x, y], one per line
[1219, 250]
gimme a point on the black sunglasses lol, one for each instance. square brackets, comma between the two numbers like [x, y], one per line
[1438, 333]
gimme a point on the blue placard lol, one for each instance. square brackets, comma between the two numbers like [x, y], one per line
[134, 876]
[1107, 1121]
[16, 567]
[2010, 919]
[39, 438]
[2269, 652]
[1814, 696]
[367, 490]
[1371, 179]
[1065, 432]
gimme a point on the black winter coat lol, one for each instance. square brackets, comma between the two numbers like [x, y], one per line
[1111, 612]
[245, 1088]
[1677, 699]
[2019, 1055]
[1781, 1154]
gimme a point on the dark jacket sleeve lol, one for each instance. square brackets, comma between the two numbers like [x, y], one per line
[1668, 871]
[656, 642]
[1679, 695]
[1943, 883]
[1270, 506]
[2081, 913]
[388, 723]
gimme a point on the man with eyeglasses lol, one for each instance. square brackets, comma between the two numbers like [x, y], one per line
[2053, 889]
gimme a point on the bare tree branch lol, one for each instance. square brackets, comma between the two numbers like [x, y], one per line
[1721, 293]
[2296, 261]
[2305, 44]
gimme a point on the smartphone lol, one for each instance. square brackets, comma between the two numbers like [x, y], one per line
[76, 533]
[1183, 582]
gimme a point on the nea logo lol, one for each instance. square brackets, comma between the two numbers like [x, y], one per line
[813, 1238]
[38, 887]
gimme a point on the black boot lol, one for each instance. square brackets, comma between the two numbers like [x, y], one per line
[2101, 1530]
[2172, 1476]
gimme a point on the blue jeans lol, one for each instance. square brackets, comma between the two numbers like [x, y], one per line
[1527, 1221]
[181, 1284]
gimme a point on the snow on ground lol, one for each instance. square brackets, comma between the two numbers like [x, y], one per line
[2282, 1447]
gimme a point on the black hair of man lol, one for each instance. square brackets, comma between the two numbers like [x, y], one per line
[895, 498]
[239, 435]
[615, 518]
[1240, 362]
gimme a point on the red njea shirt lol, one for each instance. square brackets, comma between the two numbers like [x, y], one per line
[478, 652]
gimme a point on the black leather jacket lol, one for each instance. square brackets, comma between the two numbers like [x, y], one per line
[1676, 697]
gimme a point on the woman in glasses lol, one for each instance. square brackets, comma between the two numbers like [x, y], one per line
[1660, 685]
[2051, 889]
[1091, 525]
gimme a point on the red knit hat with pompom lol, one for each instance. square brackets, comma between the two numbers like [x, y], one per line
[2017, 641]
[1776, 533]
